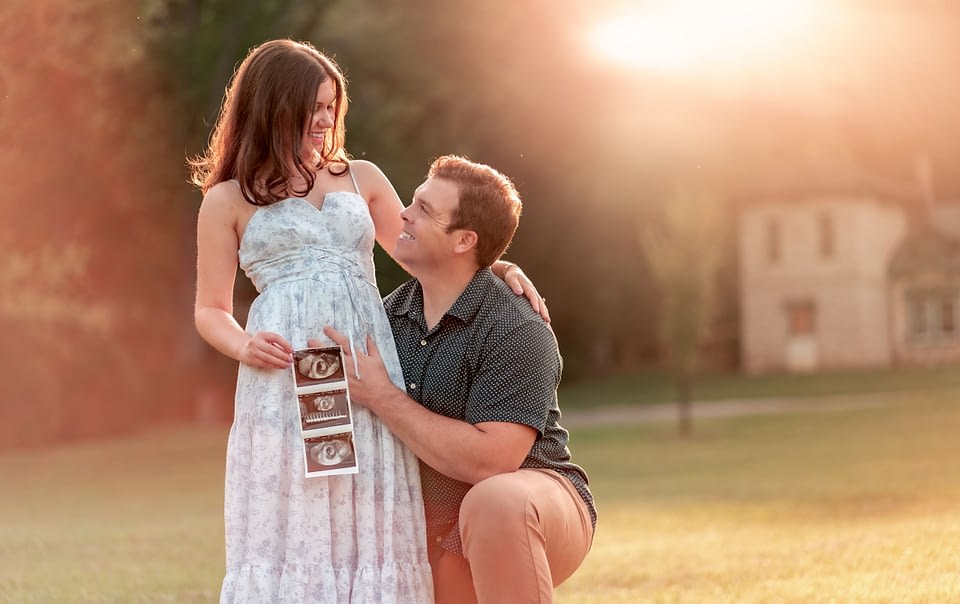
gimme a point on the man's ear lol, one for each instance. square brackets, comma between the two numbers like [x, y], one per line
[466, 242]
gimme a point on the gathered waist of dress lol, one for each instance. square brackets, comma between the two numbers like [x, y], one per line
[309, 264]
[352, 277]
[334, 268]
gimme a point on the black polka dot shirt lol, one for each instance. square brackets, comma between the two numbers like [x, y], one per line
[490, 358]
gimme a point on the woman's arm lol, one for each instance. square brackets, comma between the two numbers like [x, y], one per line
[385, 205]
[218, 242]
[521, 285]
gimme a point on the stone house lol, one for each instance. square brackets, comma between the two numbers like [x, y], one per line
[840, 282]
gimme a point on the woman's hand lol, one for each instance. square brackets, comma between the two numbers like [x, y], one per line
[266, 350]
[518, 281]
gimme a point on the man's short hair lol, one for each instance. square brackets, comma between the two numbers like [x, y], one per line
[489, 204]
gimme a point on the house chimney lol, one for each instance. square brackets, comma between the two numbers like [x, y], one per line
[923, 173]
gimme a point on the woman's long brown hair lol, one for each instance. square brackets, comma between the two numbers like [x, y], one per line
[265, 114]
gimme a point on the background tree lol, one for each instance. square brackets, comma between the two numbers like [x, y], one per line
[101, 101]
[514, 88]
[195, 46]
[88, 261]
[683, 245]
[438, 77]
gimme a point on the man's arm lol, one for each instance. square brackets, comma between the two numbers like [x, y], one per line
[455, 448]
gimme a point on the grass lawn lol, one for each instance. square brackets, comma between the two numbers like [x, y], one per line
[851, 506]
[856, 506]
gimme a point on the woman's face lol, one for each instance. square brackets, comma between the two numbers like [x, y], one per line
[322, 119]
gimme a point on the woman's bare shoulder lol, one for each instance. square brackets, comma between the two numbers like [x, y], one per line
[373, 183]
[364, 168]
[226, 193]
[226, 199]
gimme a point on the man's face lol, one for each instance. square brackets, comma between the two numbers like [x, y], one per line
[425, 242]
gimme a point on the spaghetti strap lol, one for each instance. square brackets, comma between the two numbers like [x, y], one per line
[354, 179]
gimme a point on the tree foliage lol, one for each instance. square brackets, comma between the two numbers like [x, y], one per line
[101, 101]
[200, 43]
[510, 87]
[88, 264]
[500, 86]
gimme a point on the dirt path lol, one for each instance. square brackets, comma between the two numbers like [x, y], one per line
[608, 416]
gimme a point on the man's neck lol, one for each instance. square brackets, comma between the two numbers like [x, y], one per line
[441, 290]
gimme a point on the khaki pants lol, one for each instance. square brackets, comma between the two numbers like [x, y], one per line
[523, 534]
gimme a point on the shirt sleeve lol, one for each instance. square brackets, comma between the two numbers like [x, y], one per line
[516, 380]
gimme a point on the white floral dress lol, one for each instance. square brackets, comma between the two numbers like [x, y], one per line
[290, 539]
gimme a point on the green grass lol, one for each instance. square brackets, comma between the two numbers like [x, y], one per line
[856, 506]
[127, 521]
[851, 506]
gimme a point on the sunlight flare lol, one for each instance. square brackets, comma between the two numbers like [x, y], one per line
[675, 35]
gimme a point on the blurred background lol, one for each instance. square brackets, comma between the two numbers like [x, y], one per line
[709, 188]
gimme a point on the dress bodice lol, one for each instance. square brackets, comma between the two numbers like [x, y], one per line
[293, 240]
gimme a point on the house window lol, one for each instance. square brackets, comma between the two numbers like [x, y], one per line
[826, 236]
[948, 325]
[773, 241]
[932, 316]
[801, 317]
[917, 307]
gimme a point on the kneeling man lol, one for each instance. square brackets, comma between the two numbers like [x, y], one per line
[509, 515]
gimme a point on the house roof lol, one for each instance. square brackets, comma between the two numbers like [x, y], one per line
[898, 192]
[932, 244]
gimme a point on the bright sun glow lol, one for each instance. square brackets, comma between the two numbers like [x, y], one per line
[679, 35]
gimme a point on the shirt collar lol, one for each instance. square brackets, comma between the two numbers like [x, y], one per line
[400, 302]
[464, 308]
[467, 305]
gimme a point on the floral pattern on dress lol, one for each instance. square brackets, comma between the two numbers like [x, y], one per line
[291, 539]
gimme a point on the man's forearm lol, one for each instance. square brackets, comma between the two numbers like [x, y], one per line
[453, 447]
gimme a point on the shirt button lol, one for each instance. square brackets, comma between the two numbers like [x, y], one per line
[423, 342]
[413, 386]
[438, 539]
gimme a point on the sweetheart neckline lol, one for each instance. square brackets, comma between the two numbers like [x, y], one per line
[313, 205]
[319, 210]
